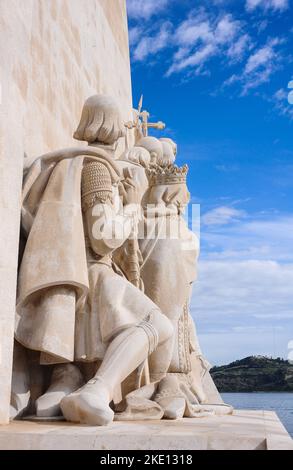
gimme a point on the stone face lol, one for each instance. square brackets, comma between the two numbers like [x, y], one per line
[54, 54]
[245, 430]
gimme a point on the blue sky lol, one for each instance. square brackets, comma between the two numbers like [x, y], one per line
[217, 73]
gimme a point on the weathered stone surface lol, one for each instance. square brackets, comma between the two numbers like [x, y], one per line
[53, 56]
[247, 430]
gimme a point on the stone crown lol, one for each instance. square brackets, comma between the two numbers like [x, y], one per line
[171, 174]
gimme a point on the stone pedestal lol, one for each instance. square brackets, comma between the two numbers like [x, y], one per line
[244, 430]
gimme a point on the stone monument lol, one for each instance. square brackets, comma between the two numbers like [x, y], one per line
[97, 261]
[78, 302]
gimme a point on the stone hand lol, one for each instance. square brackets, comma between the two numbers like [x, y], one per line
[170, 197]
[128, 189]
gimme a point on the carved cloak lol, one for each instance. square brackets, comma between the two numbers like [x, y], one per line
[53, 276]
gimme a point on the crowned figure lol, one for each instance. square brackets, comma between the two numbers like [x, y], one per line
[169, 268]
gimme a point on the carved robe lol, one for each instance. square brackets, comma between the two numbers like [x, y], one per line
[170, 252]
[70, 300]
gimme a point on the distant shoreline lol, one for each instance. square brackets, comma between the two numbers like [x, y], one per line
[254, 374]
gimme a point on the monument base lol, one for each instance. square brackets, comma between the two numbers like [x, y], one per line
[245, 430]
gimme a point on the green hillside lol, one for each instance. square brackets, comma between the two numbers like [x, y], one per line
[254, 374]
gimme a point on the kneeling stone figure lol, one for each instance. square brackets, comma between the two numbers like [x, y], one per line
[73, 305]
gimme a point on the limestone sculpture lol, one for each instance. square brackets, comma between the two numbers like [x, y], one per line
[67, 282]
[87, 307]
[169, 251]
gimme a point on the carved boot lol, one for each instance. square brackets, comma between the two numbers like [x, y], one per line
[66, 378]
[90, 404]
[170, 397]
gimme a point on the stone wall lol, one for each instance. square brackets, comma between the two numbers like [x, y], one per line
[53, 55]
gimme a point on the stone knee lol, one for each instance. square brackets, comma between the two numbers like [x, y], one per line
[160, 349]
[163, 326]
[158, 329]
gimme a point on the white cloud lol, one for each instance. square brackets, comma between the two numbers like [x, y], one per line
[259, 58]
[181, 53]
[258, 237]
[231, 80]
[243, 308]
[145, 9]
[227, 168]
[256, 288]
[226, 29]
[280, 5]
[259, 67]
[199, 38]
[134, 35]
[280, 102]
[223, 347]
[252, 4]
[222, 216]
[206, 35]
[152, 44]
[195, 59]
[193, 30]
[238, 49]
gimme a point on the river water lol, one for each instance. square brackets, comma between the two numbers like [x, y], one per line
[281, 403]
